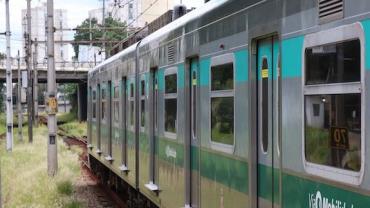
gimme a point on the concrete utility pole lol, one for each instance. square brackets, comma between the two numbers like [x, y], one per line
[19, 100]
[35, 84]
[51, 100]
[29, 82]
[9, 85]
[104, 32]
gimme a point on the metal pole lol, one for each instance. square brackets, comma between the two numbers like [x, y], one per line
[29, 82]
[104, 31]
[94, 58]
[52, 100]
[35, 85]
[64, 98]
[9, 86]
[90, 33]
[19, 100]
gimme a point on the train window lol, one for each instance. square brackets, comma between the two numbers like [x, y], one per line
[132, 90]
[265, 106]
[103, 104]
[171, 83]
[94, 110]
[143, 87]
[221, 77]
[194, 103]
[116, 104]
[132, 108]
[170, 115]
[142, 120]
[116, 111]
[94, 104]
[103, 110]
[222, 121]
[94, 95]
[333, 109]
[170, 105]
[142, 104]
[132, 105]
[333, 63]
[222, 104]
[333, 137]
[103, 93]
[116, 92]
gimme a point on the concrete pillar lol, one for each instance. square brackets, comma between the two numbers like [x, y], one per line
[82, 102]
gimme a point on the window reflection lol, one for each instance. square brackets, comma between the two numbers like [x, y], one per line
[333, 130]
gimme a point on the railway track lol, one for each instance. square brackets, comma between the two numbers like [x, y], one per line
[103, 196]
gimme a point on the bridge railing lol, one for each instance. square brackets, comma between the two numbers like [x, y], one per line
[64, 66]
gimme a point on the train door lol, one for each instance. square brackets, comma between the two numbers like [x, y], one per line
[192, 140]
[267, 125]
[153, 130]
[116, 142]
[89, 115]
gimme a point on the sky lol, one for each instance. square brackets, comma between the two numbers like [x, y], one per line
[77, 11]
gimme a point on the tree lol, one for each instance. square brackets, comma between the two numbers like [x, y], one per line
[2, 56]
[83, 33]
[2, 96]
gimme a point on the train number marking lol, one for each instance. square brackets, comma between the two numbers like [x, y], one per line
[339, 138]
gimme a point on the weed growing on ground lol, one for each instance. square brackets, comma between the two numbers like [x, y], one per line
[65, 187]
[25, 182]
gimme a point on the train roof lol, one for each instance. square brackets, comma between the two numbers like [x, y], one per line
[181, 22]
[128, 50]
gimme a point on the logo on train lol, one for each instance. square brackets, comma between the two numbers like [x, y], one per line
[318, 200]
[170, 152]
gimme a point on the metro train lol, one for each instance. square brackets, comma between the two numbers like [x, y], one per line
[239, 103]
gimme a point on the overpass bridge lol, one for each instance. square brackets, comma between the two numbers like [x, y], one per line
[65, 73]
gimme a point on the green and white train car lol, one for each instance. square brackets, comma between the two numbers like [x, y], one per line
[240, 103]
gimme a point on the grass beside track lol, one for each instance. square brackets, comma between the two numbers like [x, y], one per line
[24, 178]
[75, 128]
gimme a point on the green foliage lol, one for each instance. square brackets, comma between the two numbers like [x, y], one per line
[65, 187]
[97, 33]
[317, 145]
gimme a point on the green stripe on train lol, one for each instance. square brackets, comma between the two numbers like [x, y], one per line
[213, 165]
[304, 193]
[272, 182]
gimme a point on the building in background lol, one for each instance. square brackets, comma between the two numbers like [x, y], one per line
[136, 13]
[38, 21]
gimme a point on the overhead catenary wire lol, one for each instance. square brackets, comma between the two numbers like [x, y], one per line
[133, 21]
